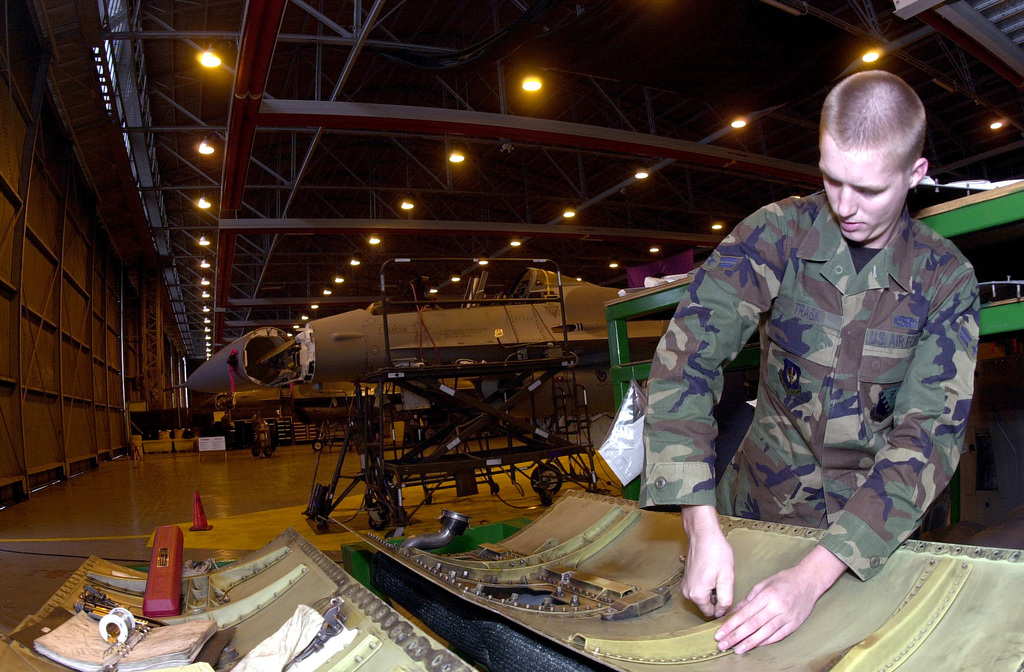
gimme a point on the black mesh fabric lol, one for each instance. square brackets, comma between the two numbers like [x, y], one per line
[477, 634]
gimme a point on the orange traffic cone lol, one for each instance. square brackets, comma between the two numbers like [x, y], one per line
[199, 523]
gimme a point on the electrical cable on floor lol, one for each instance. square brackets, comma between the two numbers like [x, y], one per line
[515, 506]
[69, 555]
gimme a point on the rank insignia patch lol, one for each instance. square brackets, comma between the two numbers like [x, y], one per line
[789, 376]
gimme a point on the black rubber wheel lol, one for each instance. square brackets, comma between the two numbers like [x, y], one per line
[378, 518]
[318, 445]
[546, 481]
[376, 514]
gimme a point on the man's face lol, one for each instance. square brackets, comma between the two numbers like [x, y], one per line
[866, 192]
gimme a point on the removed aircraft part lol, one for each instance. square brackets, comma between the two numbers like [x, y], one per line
[255, 596]
[347, 346]
[597, 579]
[453, 524]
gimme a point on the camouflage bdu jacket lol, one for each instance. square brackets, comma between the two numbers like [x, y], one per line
[866, 380]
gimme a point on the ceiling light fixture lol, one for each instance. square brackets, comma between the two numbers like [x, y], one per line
[717, 226]
[204, 264]
[516, 243]
[407, 204]
[641, 174]
[338, 279]
[613, 264]
[205, 147]
[871, 56]
[433, 290]
[203, 203]
[738, 123]
[578, 279]
[373, 240]
[354, 261]
[203, 241]
[206, 320]
[209, 58]
[206, 294]
[655, 249]
[569, 213]
[204, 282]
[456, 278]
[206, 309]
[327, 292]
[532, 83]
[482, 262]
[304, 317]
[296, 327]
[208, 337]
[314, 306]
[996, 125]
[206, 329]
[456, 156]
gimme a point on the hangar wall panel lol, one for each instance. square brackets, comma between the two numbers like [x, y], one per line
[11, 468]
[39, 355]
[44, 449]
[8, 337]
[80, 431]
[39, 283]
[7, 228]
[76, 313]
[61, 391]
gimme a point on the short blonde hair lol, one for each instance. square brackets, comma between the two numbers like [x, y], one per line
[875, 110]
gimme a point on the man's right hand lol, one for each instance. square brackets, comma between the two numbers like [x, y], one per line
[709, 562]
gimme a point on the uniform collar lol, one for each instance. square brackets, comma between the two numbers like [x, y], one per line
[825, 243]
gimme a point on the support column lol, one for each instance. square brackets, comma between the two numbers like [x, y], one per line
[152, 340]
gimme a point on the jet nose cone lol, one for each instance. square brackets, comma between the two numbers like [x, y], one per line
[213, 376]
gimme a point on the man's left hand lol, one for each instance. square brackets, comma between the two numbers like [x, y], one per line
[777, 606]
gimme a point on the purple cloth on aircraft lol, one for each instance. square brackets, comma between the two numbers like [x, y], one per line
[674, 265]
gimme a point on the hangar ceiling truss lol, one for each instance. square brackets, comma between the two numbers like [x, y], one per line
[332, 113]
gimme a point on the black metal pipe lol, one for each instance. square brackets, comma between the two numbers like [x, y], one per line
[452, 525]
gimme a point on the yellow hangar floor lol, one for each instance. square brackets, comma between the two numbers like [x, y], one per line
[111, 512]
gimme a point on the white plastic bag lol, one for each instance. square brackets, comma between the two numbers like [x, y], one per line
[623, 448]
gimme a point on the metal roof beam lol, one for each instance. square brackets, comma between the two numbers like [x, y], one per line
[399, 118]
[442, 228]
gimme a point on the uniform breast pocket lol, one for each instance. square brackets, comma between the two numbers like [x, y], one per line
[801, 352]
[883, 367]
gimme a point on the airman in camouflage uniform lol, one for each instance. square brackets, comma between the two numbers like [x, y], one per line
[865, 378]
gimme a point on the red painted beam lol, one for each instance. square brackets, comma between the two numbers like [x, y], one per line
[261, 24]
[260, 27]
[971, 46]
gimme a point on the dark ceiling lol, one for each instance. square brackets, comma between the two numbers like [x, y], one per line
[304, 170]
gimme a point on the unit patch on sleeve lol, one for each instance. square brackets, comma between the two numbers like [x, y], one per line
[790, 376]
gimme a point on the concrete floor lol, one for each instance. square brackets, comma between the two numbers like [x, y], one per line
[111, 512]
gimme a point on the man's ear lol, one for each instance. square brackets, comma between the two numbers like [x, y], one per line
[918, 171]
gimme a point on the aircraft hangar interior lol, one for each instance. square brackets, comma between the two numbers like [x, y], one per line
[511, 335]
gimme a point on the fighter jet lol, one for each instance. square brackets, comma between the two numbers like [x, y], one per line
[346, 347]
